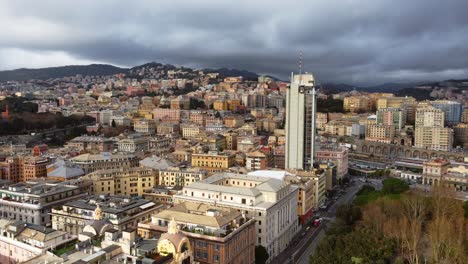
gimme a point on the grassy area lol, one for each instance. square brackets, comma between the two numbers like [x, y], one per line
[64, 249]
[392, 188]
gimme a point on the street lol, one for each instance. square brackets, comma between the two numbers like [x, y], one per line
[303, 247]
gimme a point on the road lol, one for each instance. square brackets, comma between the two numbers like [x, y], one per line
[303, 246]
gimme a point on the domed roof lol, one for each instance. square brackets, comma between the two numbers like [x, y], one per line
[98, 227]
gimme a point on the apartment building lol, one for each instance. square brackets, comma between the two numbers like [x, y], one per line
[31, 202]
[121, 212]
[272, 202]
[213, 161]
[357, 104]
[380, 133]
[338, 155]
[430, 132]
[145, 126]
[124, 181]
[91, 144]
[24, 168]
[176, 176]
[104, 161]
[134, 143]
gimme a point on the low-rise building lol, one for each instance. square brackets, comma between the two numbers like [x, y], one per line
[176, 176]
[145, 126]
[216, 234]
[121, 212]
[31, 202]
[213, 161]
[91, 144]
[124, 181]
[104, 161]
[21, 241]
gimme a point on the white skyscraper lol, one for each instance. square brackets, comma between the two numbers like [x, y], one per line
[300, 122]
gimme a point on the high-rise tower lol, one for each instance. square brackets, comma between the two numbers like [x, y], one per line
[300, 122]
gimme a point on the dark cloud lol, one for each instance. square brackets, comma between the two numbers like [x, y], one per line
[360, 42]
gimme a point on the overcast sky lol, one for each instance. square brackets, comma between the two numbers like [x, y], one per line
[352, 41]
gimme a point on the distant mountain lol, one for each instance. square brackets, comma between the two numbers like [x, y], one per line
[59, 72]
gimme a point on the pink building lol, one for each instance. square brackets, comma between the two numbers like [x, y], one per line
[169, 115]
[339, 156]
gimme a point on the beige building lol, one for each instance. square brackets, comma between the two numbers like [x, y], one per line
[125, 181]
[272, 202]
[145, 126]
[380, 133]
[190, 130]
[118, 212]
[357, 104]
[234, 121]
[104, 161]
[213, 161]
[321, 120]
[175, 176]
[407, 103]
[211, 234]
[430, 132]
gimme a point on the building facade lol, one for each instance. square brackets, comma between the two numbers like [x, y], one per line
[300, 122]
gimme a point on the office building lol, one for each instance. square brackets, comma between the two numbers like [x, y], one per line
[300, 122]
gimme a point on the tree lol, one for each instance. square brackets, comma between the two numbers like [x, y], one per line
[261, 255]
[349, 213]
[394, 186]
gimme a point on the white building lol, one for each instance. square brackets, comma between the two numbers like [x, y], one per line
[300, 122]
[272, 202]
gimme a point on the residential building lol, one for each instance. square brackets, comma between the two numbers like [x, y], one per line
[31, 202]
[190, 130]
[452, 111]
[357, 104]
[104, 161]
[134, 143]
[216, 234]
[124, 181]
[337, 155]
[213, 161]
[91, 144]
[161, 194]
[272, 202]
[21, 242]
[430, 132]
[407, 103]
[460, 133]
[380, 133]
[300, 122]
[176, 176]
[392, 117]
[121, 212]
[145, 126]
[258, 160]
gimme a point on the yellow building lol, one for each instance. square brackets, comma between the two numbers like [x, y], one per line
[213, 161]
[233, 104]
[175, 176]
[190, 131]
[357, 104]
[220, 105]
[128, 181]
[380, 133]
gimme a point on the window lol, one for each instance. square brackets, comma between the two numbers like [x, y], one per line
[259, 230]
[259, 214]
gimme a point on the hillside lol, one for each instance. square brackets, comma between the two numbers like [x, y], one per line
[59, 72]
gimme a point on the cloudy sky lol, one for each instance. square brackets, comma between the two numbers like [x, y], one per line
[353, 41]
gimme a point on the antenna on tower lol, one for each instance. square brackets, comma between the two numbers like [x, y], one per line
[300, 62]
